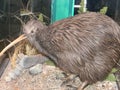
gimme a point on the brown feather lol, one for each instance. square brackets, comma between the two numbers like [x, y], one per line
[87, 44]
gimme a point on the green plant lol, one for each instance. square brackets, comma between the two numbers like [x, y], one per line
[81, 9]
[104, 10]
[111, 76]
[40, 17]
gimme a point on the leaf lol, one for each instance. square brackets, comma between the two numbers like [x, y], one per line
[81, 9]
[104, 10]
[40, 17]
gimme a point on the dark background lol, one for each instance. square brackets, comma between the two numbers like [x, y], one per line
[10, 26]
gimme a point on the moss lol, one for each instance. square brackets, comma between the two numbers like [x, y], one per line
[49, 62]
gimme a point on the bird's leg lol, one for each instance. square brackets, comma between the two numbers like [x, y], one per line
[68, 79]
[117, 76]
[84, 84]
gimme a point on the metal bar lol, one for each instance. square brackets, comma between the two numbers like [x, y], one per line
[77, 6]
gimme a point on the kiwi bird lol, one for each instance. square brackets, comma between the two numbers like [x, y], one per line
[87, 45]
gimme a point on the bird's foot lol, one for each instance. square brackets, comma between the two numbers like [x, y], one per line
[69, 78]
[68, 82]
[84, 84]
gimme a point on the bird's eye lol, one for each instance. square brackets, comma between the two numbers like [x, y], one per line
[37, 29]
[32, 31]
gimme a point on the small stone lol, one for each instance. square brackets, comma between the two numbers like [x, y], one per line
[7, 79]
[35, 69]
[17, 72]
[12, 75]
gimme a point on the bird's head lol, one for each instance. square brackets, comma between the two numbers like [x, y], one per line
[31, 28]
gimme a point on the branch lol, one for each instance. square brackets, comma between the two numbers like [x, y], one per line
[20, 38]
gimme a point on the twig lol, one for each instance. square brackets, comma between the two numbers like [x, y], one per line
[20, 38]
[19, 20]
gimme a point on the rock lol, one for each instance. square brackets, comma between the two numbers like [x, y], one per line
[14, 73]
[35, 69]
[18, 70]
[26, 61]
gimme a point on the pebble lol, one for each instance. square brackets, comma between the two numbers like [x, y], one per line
[12, 75]
[8, 79]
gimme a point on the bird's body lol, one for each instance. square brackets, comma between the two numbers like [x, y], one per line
[87, 44]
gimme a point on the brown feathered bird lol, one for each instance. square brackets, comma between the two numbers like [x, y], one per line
[87, 44]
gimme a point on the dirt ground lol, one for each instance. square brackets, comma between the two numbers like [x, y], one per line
[51, 78]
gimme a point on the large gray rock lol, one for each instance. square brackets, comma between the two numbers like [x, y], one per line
[29, 61]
